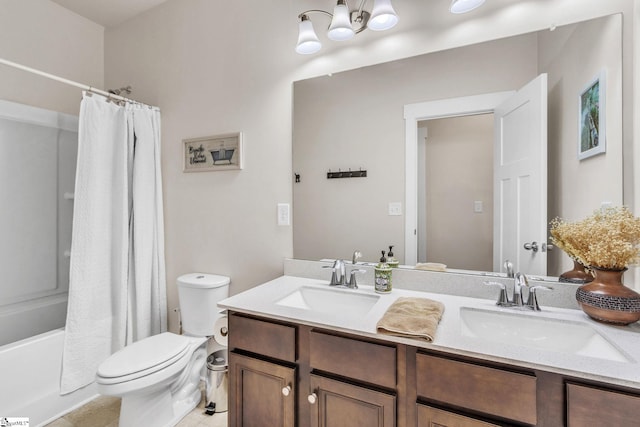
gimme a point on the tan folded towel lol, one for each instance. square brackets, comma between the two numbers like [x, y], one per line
[412, 317]
[431, 266]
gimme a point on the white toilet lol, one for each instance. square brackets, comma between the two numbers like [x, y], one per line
[158, 377]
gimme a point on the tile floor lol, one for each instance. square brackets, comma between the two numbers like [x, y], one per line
[104, 412]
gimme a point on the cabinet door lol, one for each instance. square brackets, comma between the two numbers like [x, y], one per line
[339, 404]
[432, 417]
[261, 393]
[589, 406]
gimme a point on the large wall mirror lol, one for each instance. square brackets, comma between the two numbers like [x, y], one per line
[354, 121]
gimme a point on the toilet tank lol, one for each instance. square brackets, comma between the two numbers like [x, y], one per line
[198, 294]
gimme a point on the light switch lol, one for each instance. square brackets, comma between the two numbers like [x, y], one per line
[395, 208]
[477, 206]
[284, 217]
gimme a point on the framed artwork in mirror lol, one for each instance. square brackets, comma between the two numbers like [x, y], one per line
[213, 153]
[591, 118]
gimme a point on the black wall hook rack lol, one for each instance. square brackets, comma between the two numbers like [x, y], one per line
[347, 174]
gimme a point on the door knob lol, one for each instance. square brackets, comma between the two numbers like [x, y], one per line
[533, 246]
[312, 398]
[286, 390]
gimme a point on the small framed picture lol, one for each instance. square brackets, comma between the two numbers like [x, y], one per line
[213, 153]
[591, 118]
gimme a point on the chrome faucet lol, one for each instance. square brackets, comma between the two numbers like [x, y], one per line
[337, 273]
[508, 266]
[520, 282]
[339, 276]
[532, 300]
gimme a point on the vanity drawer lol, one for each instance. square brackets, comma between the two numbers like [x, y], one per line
[488, 390]
[351, 358]
[262, 337]
[599, 407]
[431, 417]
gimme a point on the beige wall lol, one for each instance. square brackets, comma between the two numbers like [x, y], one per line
[578, 187]
[43, 35]
[459, 172]
[212, 69]
[215, 67]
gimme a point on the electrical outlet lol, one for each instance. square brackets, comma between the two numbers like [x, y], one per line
[395, 208]
[284, 214]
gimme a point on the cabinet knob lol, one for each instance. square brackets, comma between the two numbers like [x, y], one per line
[312, 398]
[286, 390]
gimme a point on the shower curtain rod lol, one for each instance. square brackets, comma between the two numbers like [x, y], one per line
[70, 82]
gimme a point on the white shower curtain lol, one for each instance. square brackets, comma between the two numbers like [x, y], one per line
[117, 288]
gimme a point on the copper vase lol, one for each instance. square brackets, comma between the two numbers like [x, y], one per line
[578, 275]
[607, 300]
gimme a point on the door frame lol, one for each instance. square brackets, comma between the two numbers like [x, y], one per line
[413, 113]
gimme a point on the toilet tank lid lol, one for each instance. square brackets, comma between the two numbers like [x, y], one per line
[203, 280]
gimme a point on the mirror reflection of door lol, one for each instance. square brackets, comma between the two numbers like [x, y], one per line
[497, 165]
[520, 180]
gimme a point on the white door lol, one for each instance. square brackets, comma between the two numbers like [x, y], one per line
[520, 180]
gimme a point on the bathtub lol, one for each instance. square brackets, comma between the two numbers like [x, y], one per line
[30, 378]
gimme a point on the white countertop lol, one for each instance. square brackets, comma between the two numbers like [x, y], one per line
[449, 337]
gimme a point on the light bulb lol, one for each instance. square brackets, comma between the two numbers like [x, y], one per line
[341, 28]
[464, 6]
[383, 16]
[308, 42]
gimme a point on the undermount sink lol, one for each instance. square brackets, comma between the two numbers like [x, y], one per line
[330, 301]
[538, 332]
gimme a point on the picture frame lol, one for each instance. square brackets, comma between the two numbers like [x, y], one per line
[213, 153]
[592, 118]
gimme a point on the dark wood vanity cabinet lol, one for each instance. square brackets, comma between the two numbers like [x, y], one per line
[262, 387]
[352, 382]
[433, 417]
[495, 392]
[294, 375]
[264, 393]
[286, 374]
[341, 404]
[596, 406]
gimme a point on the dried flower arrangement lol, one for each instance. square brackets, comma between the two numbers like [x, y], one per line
[608, 239]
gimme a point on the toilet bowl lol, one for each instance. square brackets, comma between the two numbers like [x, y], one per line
[158, 378]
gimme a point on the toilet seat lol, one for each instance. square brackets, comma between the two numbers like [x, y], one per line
[143, 358]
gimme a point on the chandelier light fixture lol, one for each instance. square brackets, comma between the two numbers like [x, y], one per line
[345, 23]
[464, 6]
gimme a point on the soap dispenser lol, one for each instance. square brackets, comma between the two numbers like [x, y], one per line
[382, 273]
[391, 261]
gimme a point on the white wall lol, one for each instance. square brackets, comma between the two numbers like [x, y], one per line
[43, 35]
[216, 66]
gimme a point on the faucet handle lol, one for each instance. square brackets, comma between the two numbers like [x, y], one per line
[532, 299]
[503, 300]
[337, 273]
[508, 266]
[352, 279]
